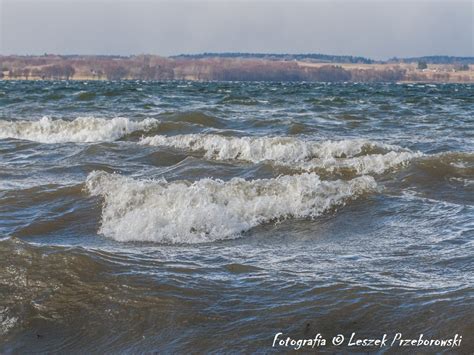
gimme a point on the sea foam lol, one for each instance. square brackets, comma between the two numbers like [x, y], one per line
[360, 155]
[81, 129]
[209, 209]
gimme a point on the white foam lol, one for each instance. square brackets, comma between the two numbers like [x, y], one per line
[81, 129]
[366, 164]
[361, 155]
[7, 323]
[208, 210]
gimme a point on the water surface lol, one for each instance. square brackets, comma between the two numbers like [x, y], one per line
[176, 217]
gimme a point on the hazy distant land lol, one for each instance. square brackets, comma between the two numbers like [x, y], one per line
[238, 67]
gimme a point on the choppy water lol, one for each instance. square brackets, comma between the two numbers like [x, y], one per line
[178, 217]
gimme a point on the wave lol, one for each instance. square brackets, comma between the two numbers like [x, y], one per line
[81, 129]
[367, 164]
[360, 155]
[199, 118]
[442, 168]
[447, 176]
[208, 209]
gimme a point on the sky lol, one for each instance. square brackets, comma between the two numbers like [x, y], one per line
[378, 29]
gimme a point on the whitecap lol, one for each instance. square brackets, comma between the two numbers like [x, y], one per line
[207, 210]
[81, 129]
[362, 156]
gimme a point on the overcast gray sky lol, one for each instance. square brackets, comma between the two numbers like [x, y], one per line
[378, 29]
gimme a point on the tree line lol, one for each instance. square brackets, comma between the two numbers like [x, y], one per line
[149, 67]
[311, 57]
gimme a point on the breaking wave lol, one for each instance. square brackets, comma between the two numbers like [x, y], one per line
[360, 155]
[81, 129]
[367, 164]
[208, 209]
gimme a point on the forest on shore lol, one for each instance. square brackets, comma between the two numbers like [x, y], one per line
[235, 67]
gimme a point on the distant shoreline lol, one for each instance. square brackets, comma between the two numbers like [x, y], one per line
[230, 81]
[155, 68]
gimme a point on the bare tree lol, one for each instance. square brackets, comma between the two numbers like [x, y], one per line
[115, 72]
[26, 73]
[68, 71]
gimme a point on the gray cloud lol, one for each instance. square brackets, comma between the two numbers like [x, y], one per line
[378, 29]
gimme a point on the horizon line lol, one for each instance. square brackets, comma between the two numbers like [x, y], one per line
[234, 53]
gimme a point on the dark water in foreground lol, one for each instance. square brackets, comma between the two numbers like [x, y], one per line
[177, 217]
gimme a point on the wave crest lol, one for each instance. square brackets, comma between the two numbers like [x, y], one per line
[208, 209]
[81, 129]
[359, 155]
